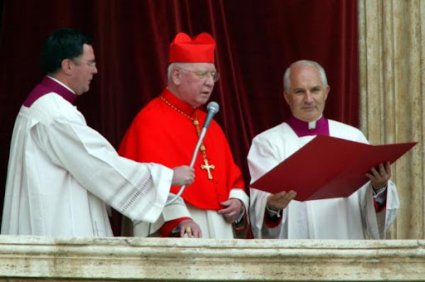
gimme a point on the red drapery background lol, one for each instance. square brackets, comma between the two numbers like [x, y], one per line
[256, 41]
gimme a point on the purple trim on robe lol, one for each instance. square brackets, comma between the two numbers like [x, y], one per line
[301, 127]
[48, 85]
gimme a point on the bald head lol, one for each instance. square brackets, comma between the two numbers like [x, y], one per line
[301, 64]
[306, 90]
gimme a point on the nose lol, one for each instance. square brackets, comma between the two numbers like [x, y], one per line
[95, 70]
[209, 80]
[308, 98]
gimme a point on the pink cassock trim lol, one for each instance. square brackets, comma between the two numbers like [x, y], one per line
[301, 127]
[48, 85]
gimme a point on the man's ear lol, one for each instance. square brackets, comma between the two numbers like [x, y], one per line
[176, 76]
[328, 89]
[285, 96]
[67, 66]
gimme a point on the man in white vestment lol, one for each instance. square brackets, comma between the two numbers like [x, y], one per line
[62, 174]
[367, 213]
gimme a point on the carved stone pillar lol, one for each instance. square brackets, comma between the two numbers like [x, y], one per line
[392, 80]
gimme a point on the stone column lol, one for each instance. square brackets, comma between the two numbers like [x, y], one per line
[392, 80]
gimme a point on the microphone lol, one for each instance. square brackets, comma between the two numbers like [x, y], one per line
[212, 109]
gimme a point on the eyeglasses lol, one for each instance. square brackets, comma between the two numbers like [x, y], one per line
[203, 75]
[91, 64]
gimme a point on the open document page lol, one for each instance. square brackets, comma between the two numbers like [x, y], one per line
[328, 167]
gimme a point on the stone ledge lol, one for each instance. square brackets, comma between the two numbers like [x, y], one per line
[157, 259]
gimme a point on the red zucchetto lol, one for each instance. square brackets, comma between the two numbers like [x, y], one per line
[184, 49]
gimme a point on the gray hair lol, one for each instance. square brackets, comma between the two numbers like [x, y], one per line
[287, 74]
[172, 67]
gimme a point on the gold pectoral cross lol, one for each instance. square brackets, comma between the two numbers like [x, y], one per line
[208, 167]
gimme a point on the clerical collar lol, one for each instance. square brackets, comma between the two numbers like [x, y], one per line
[184, 107]
[48, 85]
[303, 128]
[61, 83]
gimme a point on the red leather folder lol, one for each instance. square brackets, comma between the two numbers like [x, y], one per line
[328, 167]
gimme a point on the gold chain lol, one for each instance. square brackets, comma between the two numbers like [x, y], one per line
[206, 166]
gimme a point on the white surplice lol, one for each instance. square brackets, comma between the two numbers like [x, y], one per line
[212, 224]
[340, 218]
[62, 173]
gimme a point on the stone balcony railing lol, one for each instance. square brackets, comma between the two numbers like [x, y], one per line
[152, 259]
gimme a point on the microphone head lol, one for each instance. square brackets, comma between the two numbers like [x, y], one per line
[213, 107]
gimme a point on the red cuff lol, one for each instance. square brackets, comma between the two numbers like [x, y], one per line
[169, 226]
[272, 221]
[380, 206]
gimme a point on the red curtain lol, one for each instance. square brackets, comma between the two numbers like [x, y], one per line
[256, 41]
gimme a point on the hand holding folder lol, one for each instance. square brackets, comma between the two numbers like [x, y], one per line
[328, 167]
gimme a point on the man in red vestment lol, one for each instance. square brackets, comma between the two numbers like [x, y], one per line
[166, 131]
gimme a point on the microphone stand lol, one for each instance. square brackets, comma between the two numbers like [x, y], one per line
[192, 163]
[212, 108]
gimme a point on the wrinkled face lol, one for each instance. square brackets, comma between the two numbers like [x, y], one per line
[84, 67]
[195, 82]
[307, 94]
